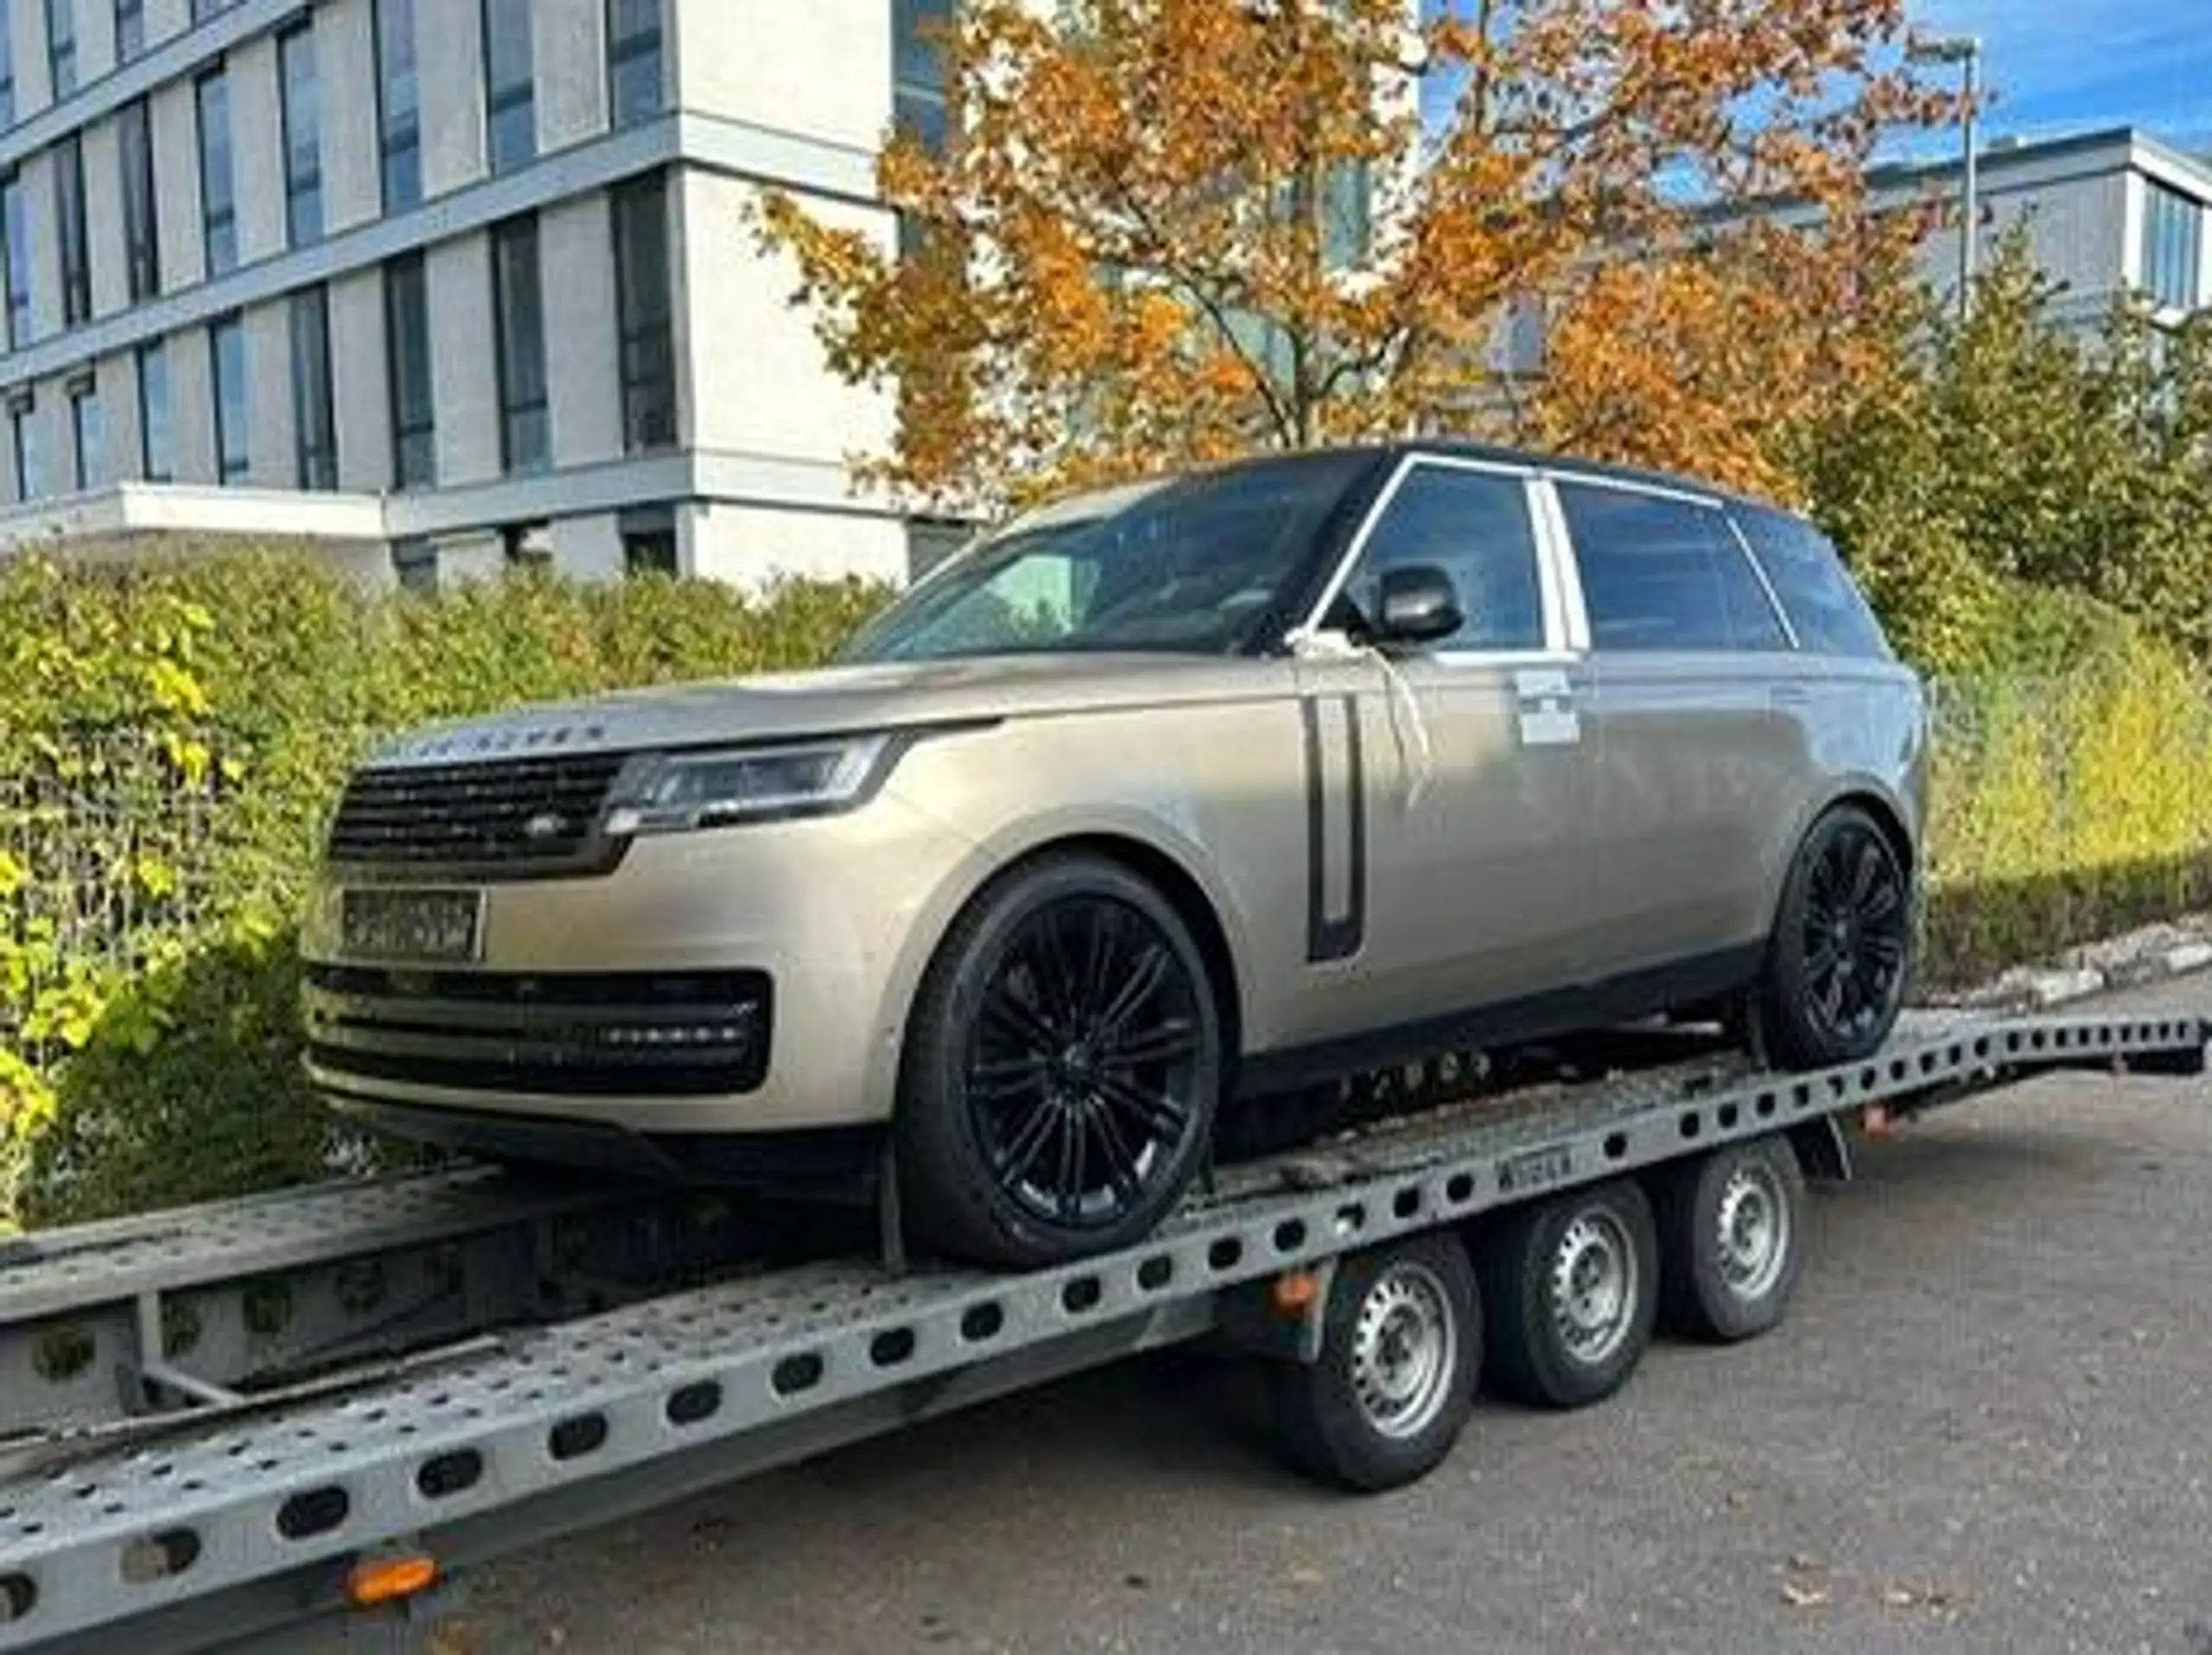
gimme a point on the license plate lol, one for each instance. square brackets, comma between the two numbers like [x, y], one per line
[1539, 1169]
[440, 927]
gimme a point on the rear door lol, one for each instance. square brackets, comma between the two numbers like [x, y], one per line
[1696, 708]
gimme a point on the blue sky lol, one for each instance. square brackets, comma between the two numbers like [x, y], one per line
[2060, 66]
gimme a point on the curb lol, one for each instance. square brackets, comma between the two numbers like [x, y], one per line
[2130, 960]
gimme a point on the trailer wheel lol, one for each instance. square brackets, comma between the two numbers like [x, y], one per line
[1571, 1290]
[1732, 1237]
[1401, 1349]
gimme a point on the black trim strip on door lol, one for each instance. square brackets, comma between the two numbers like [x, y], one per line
[1334, 938]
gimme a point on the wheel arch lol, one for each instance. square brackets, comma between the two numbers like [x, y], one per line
[1173, 871]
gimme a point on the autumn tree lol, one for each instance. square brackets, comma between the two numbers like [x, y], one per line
[1172, 230]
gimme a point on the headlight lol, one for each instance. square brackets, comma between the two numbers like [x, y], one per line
[673, 791]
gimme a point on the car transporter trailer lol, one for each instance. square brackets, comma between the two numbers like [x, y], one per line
[260, 1423]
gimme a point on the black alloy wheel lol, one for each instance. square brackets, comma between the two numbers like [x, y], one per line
[1064, 1066]
[1840, 957]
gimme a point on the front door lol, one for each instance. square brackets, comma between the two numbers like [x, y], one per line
[1449, 791]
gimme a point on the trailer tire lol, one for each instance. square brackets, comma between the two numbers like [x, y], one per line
[1570, 1286]
[1731, 1227]
[1401, 1348]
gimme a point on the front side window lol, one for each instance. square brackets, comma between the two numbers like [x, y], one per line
[1660, 573]
[1194, 564]
[301, 113]
[645, 310]
[154, 445]
[69, 221]
[61, 46]
[217, 203]
[88, 431]
[314, 422]
[519, 330]
[400, 109]
[407, 347]
[510, 85]
[1825, 606]
[227, 344]
[634, 68]
[1475, 527]
[142, 239]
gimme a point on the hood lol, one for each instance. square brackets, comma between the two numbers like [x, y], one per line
[837, 700]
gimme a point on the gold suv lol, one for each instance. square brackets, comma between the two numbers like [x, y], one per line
[1156, 799]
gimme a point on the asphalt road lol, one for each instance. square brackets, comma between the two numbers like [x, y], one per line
[1987, 1425]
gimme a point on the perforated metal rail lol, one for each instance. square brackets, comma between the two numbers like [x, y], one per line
[232, 1527]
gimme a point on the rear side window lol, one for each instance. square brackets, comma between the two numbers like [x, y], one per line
[1817, 592]
[1663, 574]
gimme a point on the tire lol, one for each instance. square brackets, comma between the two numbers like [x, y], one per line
[1400, 1350]
[1026, 1064]
[1841, 957]
[1570, 1290]
[1731, 1240]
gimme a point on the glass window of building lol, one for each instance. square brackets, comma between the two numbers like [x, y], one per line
[61, 46]
[399, 108]
[315, 418]
[154, 462]
[407, 347]
[518, 332]
[88, 435]
[226, 346]
[218, 202]
[643, 307]
[510, 85]
[142, 239]
[634, 62]
[300, 111]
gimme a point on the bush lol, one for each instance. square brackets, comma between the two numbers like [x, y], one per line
[172, 735]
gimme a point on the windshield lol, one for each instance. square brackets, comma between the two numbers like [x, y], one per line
[1188, 563]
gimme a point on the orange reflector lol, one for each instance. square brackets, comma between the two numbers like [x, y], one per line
[1295, 1291]
[385, 1579]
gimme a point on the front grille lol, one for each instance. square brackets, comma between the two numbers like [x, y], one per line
[503, 816]
[580, 1033]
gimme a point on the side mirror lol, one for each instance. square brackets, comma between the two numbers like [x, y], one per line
[1416, 604]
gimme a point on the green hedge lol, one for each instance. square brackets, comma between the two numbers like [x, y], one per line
[173, 734]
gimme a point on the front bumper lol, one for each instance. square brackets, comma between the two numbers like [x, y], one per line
[739, 980]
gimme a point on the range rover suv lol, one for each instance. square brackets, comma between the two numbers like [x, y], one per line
[1155, 799]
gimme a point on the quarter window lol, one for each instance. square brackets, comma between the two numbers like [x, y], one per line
[1817, 593]
[1663, 573]
[1475, 527]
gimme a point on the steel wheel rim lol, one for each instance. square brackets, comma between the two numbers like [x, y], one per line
[1751, 1225]
[1855, 933]
[1405, 1348]
[1085, 1066]
[1595, 1281]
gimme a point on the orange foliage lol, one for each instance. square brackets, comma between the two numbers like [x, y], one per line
[1138, 249]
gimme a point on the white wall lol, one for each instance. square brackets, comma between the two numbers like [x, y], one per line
[567, 43]
[361, 401]
[583, 348]
[588, 548]
[758, 381]
[344, 54]
[449, 57]
[37, 175]
[192, 407]
[762, 61]
[119, 383]
[104, 217]
[464, 380]
[257, 149]
[750, 545]
[176, 185]
[270, 458]
[34, 86]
